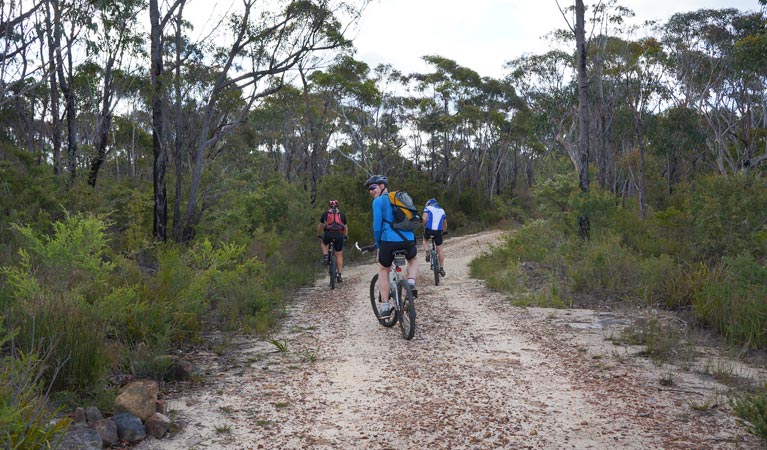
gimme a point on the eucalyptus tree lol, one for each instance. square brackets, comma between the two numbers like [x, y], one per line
[254, 55]
[69, 20]
[275, 128]
[703, 48]
[20, 42]
[446, 117]
[545, 84]
[113, 39]
[642, 72]
[366, 131]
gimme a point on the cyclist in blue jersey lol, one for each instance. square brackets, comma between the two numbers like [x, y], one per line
[388, 240]
[434, 226]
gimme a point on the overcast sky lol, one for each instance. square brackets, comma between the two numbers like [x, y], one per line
[483, 34]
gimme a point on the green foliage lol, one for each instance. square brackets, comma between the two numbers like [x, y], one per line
[26, 419]
[661, 340]
[603, 266]
[72, 331]
[52, 293]
[752, 409]
[726, 214]
[733, 302]
[68, 262]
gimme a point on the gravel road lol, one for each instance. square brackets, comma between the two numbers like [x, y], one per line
[479, 374]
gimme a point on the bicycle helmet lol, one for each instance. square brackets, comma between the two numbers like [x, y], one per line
[333, 204]
[432, 201]
[377, 179]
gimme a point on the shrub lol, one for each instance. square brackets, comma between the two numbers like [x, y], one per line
[72, 331]
[727, 213]
[52, 292]
[752, 409]
[603, 266]
[733, 302]
[26, 419]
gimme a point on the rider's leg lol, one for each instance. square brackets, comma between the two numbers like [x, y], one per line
[441, 256]
[340, 260]
[324, 247]
[383, 282]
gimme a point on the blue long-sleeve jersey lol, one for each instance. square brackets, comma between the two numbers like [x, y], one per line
[383, 216]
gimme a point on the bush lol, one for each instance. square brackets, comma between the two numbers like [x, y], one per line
[752, 408]
[52, 293]
[726, 214]
[26, 419]
[732, 302]
[603, 266]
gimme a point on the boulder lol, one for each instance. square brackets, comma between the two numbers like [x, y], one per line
[93, 414]
[129, 427]
[138, 398]
[79, 416]
[80, 438]
[157, 425]
[107, 429]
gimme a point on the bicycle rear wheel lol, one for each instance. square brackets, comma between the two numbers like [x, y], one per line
[333, 270]
[406, 312]
[435, 266]
[375, 301]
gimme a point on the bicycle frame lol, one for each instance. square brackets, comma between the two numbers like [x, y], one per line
[333, 264]
[400, 291]
[434, 260]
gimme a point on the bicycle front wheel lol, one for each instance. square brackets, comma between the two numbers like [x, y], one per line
[375, 301]
[435, 266]
[406, 311]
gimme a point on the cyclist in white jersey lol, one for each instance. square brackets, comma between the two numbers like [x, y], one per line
[434, 226]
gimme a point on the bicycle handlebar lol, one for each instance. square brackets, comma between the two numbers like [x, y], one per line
[365, 249]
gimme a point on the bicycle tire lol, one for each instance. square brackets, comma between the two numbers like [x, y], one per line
[333, 270]
[406, 311]
[435, 266]
[388, 321]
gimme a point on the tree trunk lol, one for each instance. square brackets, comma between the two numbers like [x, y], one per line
[55, 101]
[103, 125]
[640, 138]
[583, 117]
[160, 223]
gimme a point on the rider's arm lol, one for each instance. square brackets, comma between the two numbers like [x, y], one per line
[321, 225]
[378, 216]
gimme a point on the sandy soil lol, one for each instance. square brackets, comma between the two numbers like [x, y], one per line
[479, 373]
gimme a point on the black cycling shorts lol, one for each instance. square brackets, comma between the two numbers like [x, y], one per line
[427, 233]
[386, 251]
[336, 238]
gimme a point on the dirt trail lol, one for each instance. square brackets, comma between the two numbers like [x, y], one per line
[479, 373]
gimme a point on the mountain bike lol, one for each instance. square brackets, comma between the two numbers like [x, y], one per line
[434, 260]
[400, 290]
[332, 265]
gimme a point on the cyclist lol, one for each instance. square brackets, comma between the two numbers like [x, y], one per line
[434, 226]
[333, 228]
[388, 240]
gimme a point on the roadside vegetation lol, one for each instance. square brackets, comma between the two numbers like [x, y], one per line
[701, 255]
